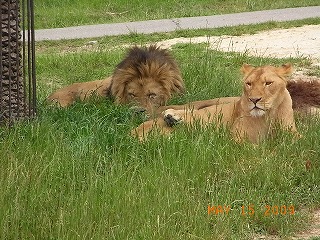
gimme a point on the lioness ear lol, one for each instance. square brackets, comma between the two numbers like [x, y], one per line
[285, 69]
[246, 69]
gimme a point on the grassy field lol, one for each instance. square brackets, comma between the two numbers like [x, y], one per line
[55, 13]
[76, 173]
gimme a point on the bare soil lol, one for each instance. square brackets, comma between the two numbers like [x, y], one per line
[294, 42]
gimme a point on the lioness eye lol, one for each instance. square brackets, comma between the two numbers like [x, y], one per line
[268, 83]
[132, 95]
[248, 84]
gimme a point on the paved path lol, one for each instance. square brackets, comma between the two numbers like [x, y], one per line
[169, 25]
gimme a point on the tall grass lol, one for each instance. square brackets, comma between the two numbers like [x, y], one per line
[54, 13]
[76, 173]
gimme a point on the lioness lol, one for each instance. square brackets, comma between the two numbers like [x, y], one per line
[147, 76]
[265, 102]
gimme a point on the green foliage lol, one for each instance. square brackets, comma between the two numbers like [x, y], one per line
[56, 13]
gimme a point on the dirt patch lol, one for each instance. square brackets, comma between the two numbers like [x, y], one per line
[294, 42]
[314, 230]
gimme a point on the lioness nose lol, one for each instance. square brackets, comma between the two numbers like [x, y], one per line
[255, 100]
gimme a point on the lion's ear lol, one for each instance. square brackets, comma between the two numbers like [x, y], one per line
[285, 69]
[246, 69]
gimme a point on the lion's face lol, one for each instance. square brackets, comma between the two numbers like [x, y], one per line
[263, 88]
[147, 77]
[146, 93]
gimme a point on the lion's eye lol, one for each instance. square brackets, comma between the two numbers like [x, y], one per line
[268, 83]
[248, 84]
[152, 95]
[132, 95]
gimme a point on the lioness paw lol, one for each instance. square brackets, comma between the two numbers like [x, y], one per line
[171, 117]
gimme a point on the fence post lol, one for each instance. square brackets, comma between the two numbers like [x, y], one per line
[17, 66]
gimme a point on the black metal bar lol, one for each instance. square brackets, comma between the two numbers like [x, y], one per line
[29, 56]
[33, 57]
[23, 23]
[20, 102]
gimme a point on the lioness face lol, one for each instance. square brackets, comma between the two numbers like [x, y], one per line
[146, 93]
[263, 88]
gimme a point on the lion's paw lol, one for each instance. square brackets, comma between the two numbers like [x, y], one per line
[171, 117]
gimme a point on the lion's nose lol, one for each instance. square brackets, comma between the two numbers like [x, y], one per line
[255, 100]
[137, 109]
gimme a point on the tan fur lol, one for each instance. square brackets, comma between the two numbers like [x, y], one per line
[147, 77]
[80, 91]
[264, 104]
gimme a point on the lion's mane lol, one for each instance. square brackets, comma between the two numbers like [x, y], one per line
[150, 63]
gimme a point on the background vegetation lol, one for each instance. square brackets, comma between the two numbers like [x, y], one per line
[76, 173]
[55, 13]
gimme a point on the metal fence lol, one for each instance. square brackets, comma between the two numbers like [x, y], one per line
[17, 66]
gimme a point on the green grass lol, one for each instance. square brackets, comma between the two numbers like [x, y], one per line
[76, 173]
[55, 13]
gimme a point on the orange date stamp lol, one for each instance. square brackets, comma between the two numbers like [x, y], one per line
[250, 210]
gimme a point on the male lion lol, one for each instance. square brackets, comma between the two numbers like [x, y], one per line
[265, 103]
[147, 77]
